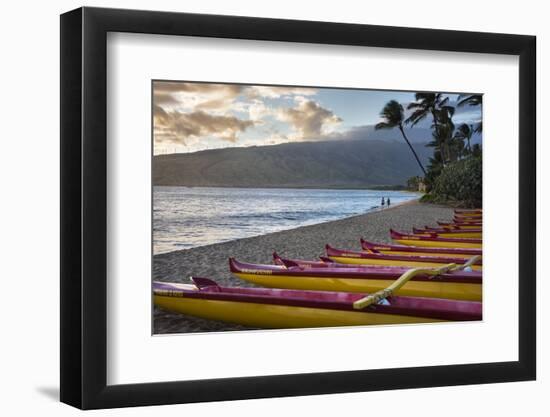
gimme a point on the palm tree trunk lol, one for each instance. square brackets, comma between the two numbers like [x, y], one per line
[441, 145]
[412, 149]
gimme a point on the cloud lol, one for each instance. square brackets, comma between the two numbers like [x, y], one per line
[223, 99]
[195, 96]
[176, 127]
[278, 92]
[309, 120]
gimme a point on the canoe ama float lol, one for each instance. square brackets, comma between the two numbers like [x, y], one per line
[458, 285]
[378, 259]
[278, 308]
[404, 250]
[438, 242]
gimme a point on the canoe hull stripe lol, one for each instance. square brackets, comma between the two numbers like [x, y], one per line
[434, 289]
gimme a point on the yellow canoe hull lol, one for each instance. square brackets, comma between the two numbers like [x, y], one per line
[386, 262]
[435, 254]
[464, 234]
[432, 289]
[436, 244]
[474, 216]
[461, 227]
[277, 316]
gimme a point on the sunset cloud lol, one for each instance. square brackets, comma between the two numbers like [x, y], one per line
[309, 120]
[278, 92]
[176, 127]
[193, 116]
[195, 96]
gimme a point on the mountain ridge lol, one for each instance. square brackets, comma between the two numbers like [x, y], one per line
[324, 164]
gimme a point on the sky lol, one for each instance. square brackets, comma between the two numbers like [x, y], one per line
[190, 117]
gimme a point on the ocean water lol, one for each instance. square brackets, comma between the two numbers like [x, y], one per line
[187, 217]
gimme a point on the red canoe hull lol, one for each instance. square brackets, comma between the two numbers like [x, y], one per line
[249, 300]
[377, 247]
[404, 236]
[334, 252]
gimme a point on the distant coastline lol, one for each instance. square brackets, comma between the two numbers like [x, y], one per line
[401, 188]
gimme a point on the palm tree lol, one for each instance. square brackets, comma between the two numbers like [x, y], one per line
[465, 132]
[425, 104]
[443, 131]
[433, 104]
[457, 150]
[393, 115]
[472, 100]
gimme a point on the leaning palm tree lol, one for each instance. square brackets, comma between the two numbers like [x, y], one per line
[393, 115]
[465, 132]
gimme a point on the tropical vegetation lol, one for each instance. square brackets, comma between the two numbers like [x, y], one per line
[453, 173]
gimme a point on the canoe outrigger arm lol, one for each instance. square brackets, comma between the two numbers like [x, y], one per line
[407, 276]
[467, 264]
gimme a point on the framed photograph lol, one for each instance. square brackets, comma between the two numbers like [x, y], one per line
[259, 208]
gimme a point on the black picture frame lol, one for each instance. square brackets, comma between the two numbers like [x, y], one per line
[84, 207]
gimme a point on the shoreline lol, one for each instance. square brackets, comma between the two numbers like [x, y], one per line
[375, 209]
[306, 242]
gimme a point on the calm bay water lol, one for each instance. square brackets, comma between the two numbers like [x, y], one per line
[185, 217]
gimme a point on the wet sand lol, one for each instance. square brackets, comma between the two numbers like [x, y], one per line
[306, 242]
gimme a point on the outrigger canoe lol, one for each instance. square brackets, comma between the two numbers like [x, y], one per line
[431, 241]
[407, 250]
[460, 226]
[456, 285]
[467, 221]
[461, 219]
[278, 308]
[471, 214]
[468, 211]
[473, 233]
[379, 259]
[323, 262]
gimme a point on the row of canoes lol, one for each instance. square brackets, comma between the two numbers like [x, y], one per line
[431, 274]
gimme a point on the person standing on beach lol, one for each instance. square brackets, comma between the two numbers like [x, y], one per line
[388, 201]
[382, 201]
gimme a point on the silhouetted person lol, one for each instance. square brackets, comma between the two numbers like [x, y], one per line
[382, 201]
[388, 201]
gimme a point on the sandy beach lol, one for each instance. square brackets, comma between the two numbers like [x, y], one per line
[304, 242]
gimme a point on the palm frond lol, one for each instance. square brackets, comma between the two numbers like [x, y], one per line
[470, 99]
[416, 117]
[383, 125]
[391, 114]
